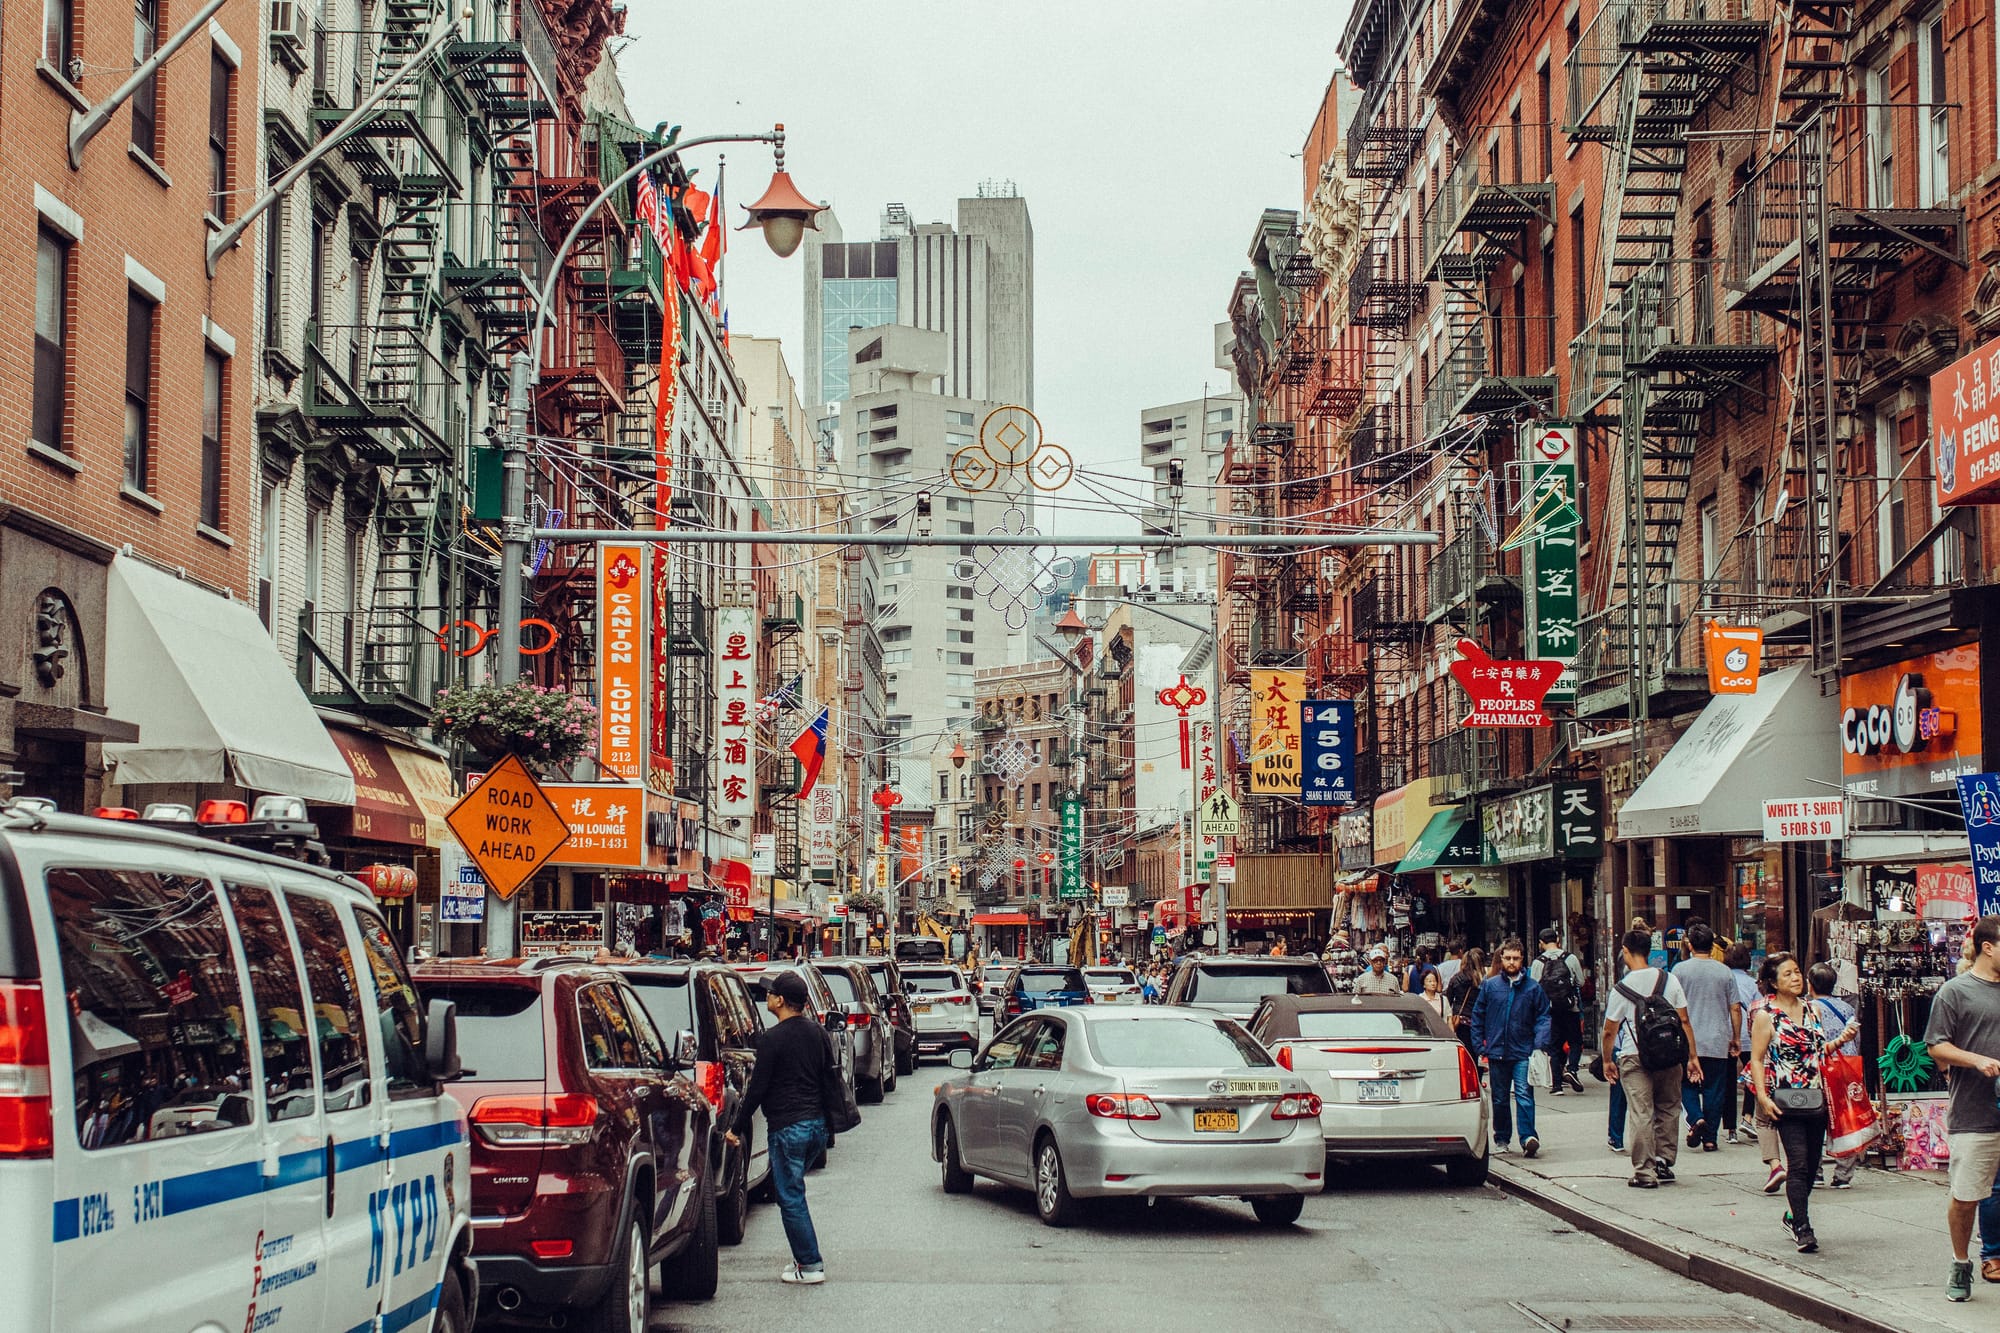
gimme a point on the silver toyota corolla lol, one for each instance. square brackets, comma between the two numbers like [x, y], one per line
[1114, 1101]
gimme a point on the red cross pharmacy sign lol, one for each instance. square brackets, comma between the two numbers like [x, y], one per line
[1504, 694]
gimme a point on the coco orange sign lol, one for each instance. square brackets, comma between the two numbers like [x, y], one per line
[1735, 656]
[1965, 428]
[621, 673]
[1913, 726]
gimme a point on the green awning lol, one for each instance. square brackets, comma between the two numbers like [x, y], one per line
[1452, 838]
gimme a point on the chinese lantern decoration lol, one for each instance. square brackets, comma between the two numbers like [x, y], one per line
[388, 881]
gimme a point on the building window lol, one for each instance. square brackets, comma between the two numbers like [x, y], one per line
[944, 793]
[220, 83]
[1711, 551]
[315, 563]
[1579, 268]
[139, 311]
[267, 556]
[1889, 531]
[51, 338]
[1881, 147]
[212, 382]
[146, 98]
[274, 273]
[58, 34]
[1933, 126]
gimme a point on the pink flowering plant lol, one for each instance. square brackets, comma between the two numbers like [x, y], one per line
[547, 726]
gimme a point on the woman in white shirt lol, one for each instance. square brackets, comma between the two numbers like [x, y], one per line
[1433, 993]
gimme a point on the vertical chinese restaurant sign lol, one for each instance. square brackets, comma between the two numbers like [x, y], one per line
[1275, 697]
[659, 747]
[825, 817]
[1965, 428]
[1548, 457]
[621, 672]
[736, 712]
[1207, 782]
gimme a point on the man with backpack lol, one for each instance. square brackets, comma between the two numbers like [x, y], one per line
[1646, 1028]
[1560, 976]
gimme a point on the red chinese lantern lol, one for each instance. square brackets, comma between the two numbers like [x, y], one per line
[385, 881]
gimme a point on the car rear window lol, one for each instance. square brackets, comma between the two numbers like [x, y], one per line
[1172, 1041]
[1213, 982]
[931, 983]
[1348, 1024]
[1041, 980]
[668, 1000]
[499, 1030]
[1111, 976]
[841, 985]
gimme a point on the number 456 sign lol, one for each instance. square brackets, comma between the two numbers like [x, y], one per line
[1327, 726]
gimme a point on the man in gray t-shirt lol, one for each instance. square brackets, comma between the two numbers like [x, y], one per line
[1964, 1038]
[1715, 1014]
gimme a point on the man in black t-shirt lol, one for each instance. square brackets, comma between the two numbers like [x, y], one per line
[789, 1083]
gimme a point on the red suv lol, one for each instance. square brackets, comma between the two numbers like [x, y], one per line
[590, 1146]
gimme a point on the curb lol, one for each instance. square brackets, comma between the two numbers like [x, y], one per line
[1556, 1200]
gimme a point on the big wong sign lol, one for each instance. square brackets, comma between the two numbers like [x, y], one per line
[1965, 428]
[1275, 697]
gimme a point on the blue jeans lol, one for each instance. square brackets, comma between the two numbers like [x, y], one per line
[1705, 1100]
[1512, 1073]
[1619, 1111]
[792, 1149]
[1989, 1223]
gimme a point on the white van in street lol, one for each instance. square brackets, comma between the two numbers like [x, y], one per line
[221, 1106]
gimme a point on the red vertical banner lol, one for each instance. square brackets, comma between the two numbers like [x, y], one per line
[621, 610]
[911, 862]
[659, 752]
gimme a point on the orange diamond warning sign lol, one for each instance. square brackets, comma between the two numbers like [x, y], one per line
[508, 826]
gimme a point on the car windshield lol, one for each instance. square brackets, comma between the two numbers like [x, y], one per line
[1348, 1024]
[499, 1031]
[1219, 982]
[996, 974]
[1175, 1041]
[1111, 976]
[841, 984]
[669, 1000]
[931, 983]
[1052, 979]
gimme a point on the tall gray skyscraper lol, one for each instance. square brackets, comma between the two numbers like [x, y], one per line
[973, 282]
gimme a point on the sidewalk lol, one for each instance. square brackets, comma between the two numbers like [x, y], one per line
[1884, 1251]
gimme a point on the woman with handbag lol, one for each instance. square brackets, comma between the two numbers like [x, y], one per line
[1788, 1047]
[1462, 991]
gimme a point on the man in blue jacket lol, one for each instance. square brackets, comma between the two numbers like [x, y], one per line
[1510, 1022]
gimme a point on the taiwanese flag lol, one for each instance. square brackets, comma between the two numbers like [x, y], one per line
[810, 747]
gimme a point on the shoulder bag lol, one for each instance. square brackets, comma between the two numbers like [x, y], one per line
[842, 1115]
[1802, 1101]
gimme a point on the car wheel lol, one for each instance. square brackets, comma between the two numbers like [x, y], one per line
[889, 1075]
[627, 1303]
[451, 1316]
[694, 1273]
[957, 1180]
[1278, 1210]
[868, 1090]
[1467, 1172]
[907, 1064]
[732, 1210]
[1053, 1201]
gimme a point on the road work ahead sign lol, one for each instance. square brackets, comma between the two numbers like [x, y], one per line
[508, 826]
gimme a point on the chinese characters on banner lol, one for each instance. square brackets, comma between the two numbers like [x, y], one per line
[1274, 730]
[1207, 782]
[825, 815]
[736, 712]
[1072, 850]
[659, 749]
[1548, 561]
[911, 862]
[1965, 428]
[621, 612]
[1328, 728]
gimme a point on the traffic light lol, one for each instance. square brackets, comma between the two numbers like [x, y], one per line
[956, 874]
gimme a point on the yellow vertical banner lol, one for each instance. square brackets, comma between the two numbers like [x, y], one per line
[1274, 731]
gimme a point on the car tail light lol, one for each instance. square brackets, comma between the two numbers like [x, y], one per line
[708, 1077]
[1285, 1057]
[860, 1020]
[27, 1119]
[222, 812]
[557, 1120]
[552, 1249]
[1121, 1106]
[1297, 1106]
[1468, 1076]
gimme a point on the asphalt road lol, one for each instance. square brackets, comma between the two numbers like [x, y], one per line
[1382, 1249]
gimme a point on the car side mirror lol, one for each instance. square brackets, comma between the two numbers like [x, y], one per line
[441, 1041]
[686, 1049]
[836, 1022]
[961, 1059]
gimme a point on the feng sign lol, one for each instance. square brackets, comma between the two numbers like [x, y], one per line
[621, 673]
[1548, 559]
[1327, 726]
[736, 712]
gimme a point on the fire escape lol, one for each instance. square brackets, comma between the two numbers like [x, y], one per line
[1849, 194]
[1660, 350]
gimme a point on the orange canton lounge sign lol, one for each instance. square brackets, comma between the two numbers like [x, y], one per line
[621, 615]
[1965, 428]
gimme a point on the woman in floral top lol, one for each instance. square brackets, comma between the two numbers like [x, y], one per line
[1787, 1050]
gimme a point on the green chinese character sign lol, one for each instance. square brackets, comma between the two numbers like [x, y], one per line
[1548, 535]
[1072, 850]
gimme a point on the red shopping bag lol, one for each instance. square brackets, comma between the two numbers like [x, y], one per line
[1852, 1125]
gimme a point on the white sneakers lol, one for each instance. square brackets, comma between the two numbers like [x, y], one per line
[806, 1277]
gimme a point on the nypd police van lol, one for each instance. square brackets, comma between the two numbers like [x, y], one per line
[222, 1106]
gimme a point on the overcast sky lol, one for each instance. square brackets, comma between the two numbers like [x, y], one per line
[1146, 138]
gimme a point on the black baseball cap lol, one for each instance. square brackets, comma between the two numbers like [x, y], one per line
[789, 987]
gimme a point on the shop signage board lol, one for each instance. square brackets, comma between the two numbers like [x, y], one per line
[1327, 726]
[1225, 868]
[1503, 693]
[508, 826]
[1805, 819]
[1520, 827]
[545, 933]
[1548, 555]
[1463, 882]
[1114, 895]
[764, 854]
[1735, 657]
[1220, 816]
[1275, 697]
[621, 657]
[1913, 726]
[1207, 783]
[1979, 800]
[735, 795]
[825, 799]
[461, 888]
[1072, 886]
[1965, 428]
[607, 824]
[1355, 837]
[659, 665]
[1579, 819]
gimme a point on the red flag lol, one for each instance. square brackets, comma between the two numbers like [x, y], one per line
[810, 748]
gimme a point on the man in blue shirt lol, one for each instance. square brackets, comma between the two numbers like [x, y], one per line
[1510, 1022]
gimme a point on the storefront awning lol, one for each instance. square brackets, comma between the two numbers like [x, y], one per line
[1450, 839]
[1781, 741]
[385, 810]
[213, 700]
[1002, 919]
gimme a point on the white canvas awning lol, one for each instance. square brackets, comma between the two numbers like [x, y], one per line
[1784, 740]
[213, 700]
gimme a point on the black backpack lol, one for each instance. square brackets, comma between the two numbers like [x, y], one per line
[1657, 1034]
[1559, 983]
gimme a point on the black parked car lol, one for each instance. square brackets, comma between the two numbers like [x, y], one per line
[705, 1013]
[902, 1022]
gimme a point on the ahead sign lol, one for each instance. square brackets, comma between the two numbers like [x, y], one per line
[507, 826]
[1219, 815]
